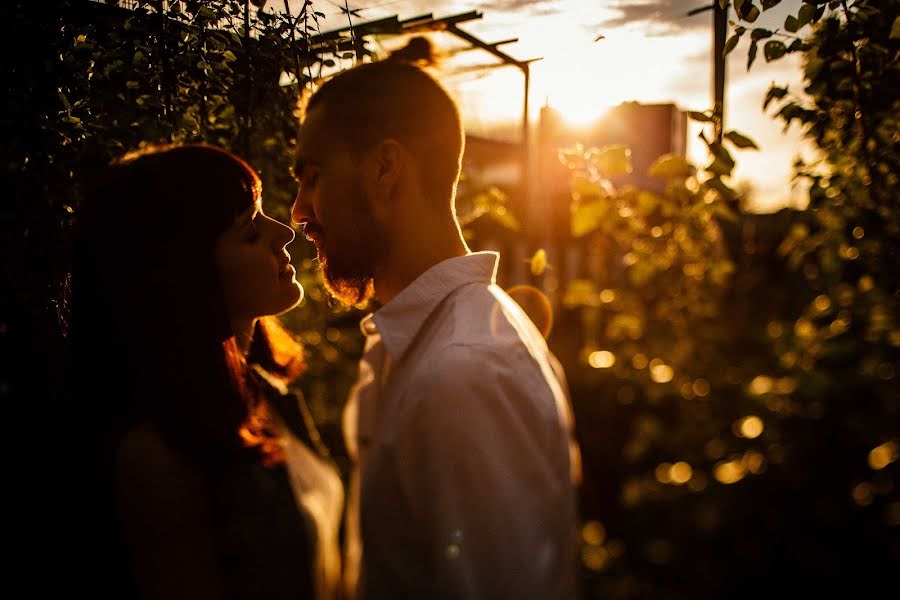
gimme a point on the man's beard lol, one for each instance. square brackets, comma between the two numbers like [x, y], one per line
[349, 265]
[350, 289]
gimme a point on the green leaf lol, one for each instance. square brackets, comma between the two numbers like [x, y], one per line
[792, 24]
[751, 55]
[774, 50]
[671, 166]
[752, 14]
[741, 141]
[895, 29]
[767, 4]
[774, 93]
[229, 56]
[806, 14]
[738, 4]
[613, 160]
[760, 34]
[731, 43]
[587, 216]
[132, 85]
[723, 160]
[719, 167]
[701, 117]
[328, 62]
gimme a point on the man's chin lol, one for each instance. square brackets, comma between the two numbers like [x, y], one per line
[352, 291]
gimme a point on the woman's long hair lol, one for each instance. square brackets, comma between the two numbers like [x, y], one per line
[151, 337]
[151, 341]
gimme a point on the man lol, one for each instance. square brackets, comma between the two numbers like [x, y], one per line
[459, 424]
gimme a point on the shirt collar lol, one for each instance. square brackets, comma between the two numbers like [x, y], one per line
[400, 320]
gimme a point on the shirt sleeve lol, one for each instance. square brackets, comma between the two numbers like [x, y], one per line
[479, 459]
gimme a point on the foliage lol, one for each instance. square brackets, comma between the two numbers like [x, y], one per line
[751, 402]
[93, 81]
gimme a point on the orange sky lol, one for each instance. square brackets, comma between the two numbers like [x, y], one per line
[652, 52]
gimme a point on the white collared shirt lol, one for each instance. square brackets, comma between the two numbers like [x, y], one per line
[461, 430]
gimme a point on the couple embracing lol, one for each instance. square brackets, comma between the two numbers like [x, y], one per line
[214, 482]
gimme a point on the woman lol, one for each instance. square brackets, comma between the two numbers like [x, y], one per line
[207, 474]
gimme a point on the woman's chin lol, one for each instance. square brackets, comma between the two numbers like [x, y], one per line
[296, 296]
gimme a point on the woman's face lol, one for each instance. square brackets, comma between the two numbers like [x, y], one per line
[255, 268]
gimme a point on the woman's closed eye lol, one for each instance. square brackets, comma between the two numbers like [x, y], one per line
[252, 233]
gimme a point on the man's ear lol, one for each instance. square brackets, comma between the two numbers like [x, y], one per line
[389, 159]
[383, 170]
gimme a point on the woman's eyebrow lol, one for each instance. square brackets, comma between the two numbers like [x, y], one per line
[246, 218]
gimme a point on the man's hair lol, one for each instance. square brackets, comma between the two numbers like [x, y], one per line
[396, 99]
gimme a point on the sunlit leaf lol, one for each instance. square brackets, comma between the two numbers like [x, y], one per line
[671, 166]
[613, 160]
[584, 188]
[581, 292]
[538, 262]
[895, 29]
[587, 216]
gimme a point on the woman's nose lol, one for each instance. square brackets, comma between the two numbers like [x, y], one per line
[284, 234]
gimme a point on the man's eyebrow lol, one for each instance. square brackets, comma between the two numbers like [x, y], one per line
[300, 164]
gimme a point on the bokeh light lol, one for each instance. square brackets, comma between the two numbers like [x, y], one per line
[749, 427]
[661, 372]
[883, 455]
[728, 472]
[602, 359]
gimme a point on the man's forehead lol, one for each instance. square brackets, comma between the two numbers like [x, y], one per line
[312, 135]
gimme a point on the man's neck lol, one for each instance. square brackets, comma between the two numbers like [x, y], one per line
[414, 255]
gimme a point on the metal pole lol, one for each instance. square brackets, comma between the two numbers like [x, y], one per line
[720, 28]
[526, 146]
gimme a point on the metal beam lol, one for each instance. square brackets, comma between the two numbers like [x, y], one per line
[386, 25]
[465, 35]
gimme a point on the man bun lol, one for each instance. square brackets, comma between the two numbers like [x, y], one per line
[418, 51]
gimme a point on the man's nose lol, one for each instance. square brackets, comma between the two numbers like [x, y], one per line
[301, 211]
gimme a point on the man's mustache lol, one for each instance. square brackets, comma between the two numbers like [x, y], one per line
[311, 230]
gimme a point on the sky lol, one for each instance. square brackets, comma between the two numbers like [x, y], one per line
[651, 52]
